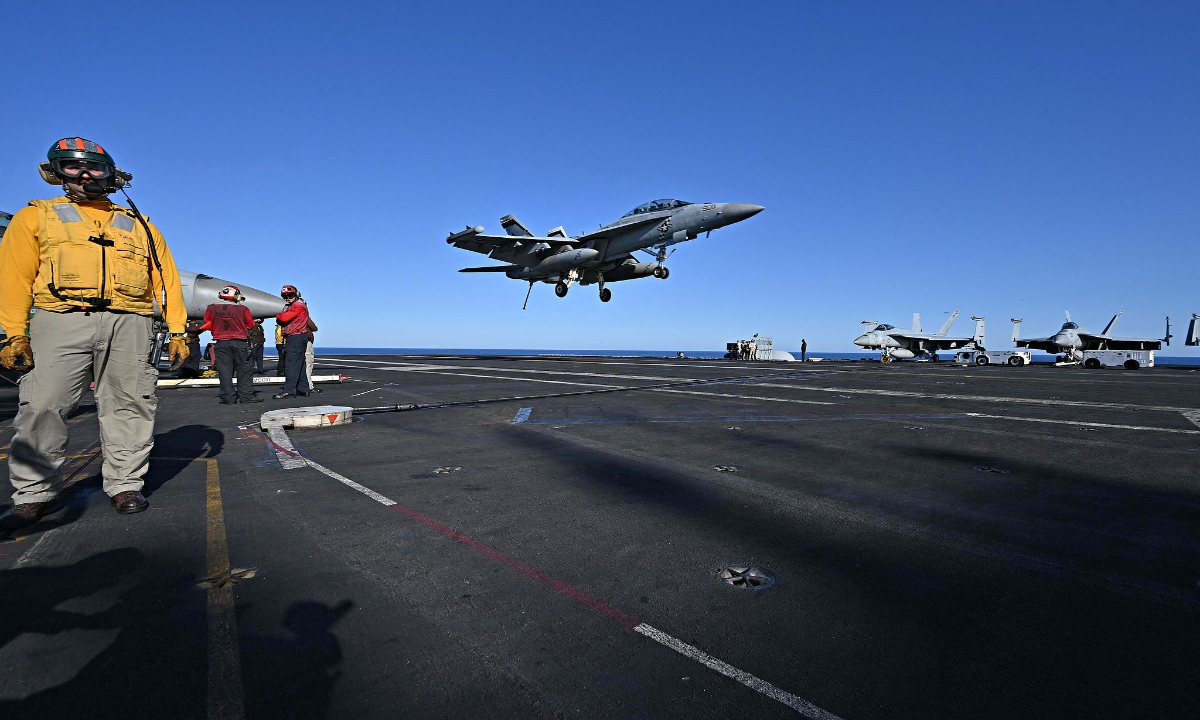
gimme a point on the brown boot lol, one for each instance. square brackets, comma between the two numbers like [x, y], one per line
[130, 501]
[18, 516]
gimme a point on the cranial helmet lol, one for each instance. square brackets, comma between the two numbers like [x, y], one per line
[76, 159]
[230, 293]
[289, 290]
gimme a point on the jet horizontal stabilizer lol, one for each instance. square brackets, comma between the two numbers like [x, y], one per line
[490, 268]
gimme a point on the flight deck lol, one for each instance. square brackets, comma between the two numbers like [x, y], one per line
[603, 537]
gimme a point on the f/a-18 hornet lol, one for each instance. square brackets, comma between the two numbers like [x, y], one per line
[604, 255]
[1072, 339]
[906, 343]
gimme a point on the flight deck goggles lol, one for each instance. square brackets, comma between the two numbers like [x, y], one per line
[72, 168]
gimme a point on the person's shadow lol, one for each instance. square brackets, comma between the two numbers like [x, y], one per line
[106, 637]
[293, 677]
[175, 450]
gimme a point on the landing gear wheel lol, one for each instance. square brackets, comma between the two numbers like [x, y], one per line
[661, 272]
[1016, 361]
[982, 360]
[605, 295]
[560, 289]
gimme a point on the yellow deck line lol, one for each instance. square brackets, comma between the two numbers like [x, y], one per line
[225, 698]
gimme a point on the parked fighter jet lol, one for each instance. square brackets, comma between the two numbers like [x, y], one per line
[905, 343]
[1072, 339]
[200, 291]
[604, 255]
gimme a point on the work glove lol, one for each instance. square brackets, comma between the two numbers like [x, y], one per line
[16, 354]
[177, 352]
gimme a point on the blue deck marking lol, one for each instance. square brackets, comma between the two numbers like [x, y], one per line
[521, 416]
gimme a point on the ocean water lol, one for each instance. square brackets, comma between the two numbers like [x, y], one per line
[1037, 357]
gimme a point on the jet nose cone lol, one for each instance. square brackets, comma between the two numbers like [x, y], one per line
[861, 341]
[737, 212]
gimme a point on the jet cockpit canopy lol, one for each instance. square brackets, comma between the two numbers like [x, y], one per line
[655, 206]
[1070, 326]
[879, 328]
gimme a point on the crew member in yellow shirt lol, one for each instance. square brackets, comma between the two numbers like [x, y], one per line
[94, 270]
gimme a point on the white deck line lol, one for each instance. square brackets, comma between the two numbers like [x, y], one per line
[739, 397]
[1193, 416]
[976, 398]
[1086, 424]
[798, 704]
[763, 687]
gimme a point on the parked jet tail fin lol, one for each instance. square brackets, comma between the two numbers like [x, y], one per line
[949, 321]
[558, 232]
[1168, 336]
[1112, 322]
[513, 227]
[1193, 333]
[916, 326]
[977, 338]
[1016, 328]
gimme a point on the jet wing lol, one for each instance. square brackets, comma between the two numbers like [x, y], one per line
[1119, 343]
[607, 232]
[474, 240]
[491, 268]
[1038, 344]
[939, 341]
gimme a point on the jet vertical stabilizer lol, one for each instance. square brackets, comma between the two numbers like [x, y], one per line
[1016, 328]
[1193, 333]
[513, 227]
[949, 321]
[977, 338]
[1108, 328]
[916, 326]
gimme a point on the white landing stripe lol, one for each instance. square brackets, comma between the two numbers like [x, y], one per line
[800, 705]
[1086, 424]
[364, 392]
[740, 397]
[501, 377]
[975, 398]
[287, 460]
[351, 484]
[1193, 415]
[413, 367]
[521, 416]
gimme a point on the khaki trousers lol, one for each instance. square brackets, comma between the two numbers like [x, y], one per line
[70, 350]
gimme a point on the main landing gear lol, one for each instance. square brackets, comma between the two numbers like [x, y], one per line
[561, 287]
[661, 272]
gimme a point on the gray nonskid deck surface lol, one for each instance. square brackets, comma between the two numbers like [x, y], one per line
[948, 541]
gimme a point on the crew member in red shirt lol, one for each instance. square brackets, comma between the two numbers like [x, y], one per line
[294, 321]
[230, 324]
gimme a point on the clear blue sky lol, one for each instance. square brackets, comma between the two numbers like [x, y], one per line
[1001, 158]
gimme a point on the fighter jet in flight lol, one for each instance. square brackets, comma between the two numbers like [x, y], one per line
[905, 343]
[1072, 339]
[602, 256]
